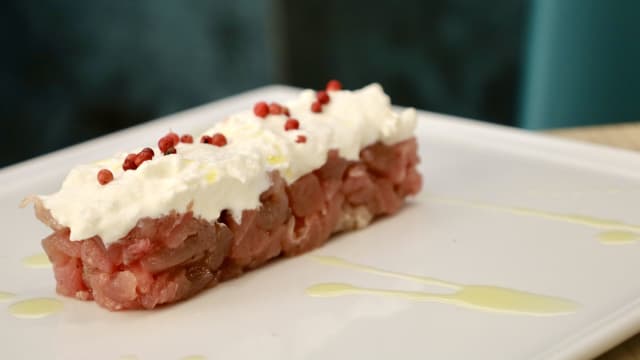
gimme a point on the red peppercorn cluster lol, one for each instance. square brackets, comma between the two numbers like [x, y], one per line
[132, 161]
[316, 107]
[277, 109]
[144, 155]
[217, 139]
[334, 85]
[262, 109]
[168, 142]
[322, 96]
[129, 162]
[105, 176]
[291, 124]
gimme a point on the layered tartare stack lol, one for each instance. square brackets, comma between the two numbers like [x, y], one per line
[161, 224]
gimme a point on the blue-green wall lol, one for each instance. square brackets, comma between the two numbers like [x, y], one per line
[583, 63]
[73, 70]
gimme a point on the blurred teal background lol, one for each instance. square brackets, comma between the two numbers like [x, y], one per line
[583, 63]
[74, 70]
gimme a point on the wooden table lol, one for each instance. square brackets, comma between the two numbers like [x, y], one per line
[625, 136]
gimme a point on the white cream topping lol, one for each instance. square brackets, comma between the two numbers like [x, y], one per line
[232, 177]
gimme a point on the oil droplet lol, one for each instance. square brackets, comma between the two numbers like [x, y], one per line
[194, 357]
[481, 297]
[6, 296]
[490, 298]
[211, 176]
[276, 159]
[288, 174]
[618, 237]
[37, 261]
[35, 308]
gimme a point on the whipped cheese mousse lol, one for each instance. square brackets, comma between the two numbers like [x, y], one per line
[160, 224]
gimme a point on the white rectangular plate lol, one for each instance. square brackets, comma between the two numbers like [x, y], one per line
[266, 313]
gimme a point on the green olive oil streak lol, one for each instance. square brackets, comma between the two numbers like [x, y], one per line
[487, 298]
[589, 221]
[490, 298]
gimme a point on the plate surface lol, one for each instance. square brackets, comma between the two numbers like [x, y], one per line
[467, 226]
